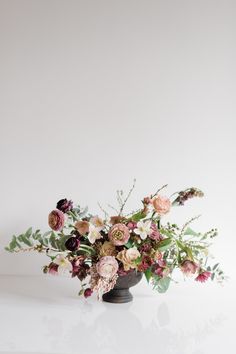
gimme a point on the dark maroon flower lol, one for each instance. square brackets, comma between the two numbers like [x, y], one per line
[80, 268]
[146, 248]
[88, 292]
[145, 263]
[72, 244]
[65, 205]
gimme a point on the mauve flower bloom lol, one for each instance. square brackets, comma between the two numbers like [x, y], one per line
[107, 267]
[147, 200]
[82, 227]
[72, 243]
[161, 204]
[53, 269]
[119, 234]
[88, 292]
[188, 267]
[202, 277]
[155, 234]
[65, 205]
[116, 219]
[131, 225]
[56, 220]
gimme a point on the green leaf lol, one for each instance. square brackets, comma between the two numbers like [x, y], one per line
[163, 284]
[190, 232]
[148, 274]
[28, 232]
[129, 244]
[164, 244]
[215, 266]
[166, 233]
[138, 216]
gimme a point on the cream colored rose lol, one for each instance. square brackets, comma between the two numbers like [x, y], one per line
[128, 257]
[108, 249]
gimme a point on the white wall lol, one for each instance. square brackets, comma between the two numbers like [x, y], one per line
[94, 93]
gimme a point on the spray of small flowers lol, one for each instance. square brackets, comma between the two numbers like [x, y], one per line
[99, 250]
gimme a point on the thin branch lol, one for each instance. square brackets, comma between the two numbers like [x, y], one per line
[128, 195]
[160, 189]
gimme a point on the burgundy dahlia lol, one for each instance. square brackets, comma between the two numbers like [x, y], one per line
[72, 244]
[146, 263]
[65, 205]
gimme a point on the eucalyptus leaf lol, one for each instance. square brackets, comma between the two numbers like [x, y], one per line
[164, 244]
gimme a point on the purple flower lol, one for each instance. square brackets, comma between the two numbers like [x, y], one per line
[65, 205]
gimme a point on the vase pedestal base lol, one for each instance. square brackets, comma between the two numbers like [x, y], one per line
[118, 296]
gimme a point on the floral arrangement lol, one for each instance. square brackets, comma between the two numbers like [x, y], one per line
[99, 250]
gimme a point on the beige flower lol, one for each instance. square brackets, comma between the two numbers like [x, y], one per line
[82, 227]
[128, 257]
[108, 249]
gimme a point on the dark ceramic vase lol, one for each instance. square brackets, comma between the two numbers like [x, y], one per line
[120, 293]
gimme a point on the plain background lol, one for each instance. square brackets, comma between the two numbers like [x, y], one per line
[94, 93]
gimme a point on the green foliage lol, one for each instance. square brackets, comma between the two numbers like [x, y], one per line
[148, 274]
[161, 284]
[190, 232]
[36, 240]
[138, 216]
[165, 244]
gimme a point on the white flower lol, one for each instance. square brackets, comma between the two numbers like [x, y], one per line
[143, 229]
[94, 233]
[63, 263]
[97, 222]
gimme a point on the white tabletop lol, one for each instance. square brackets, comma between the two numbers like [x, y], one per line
[44, 315]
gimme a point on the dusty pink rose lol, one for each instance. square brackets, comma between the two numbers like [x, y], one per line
[161, 204]
[119, 234]
[202, 277]
[56, 220]
[107, 267]
[188, 267]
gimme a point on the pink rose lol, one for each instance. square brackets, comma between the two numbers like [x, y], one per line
[107, 267]
[161, 204]
[188, 267]
[56, 220]
[119, 234]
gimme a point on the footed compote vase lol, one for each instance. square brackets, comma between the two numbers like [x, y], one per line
[120, 293]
